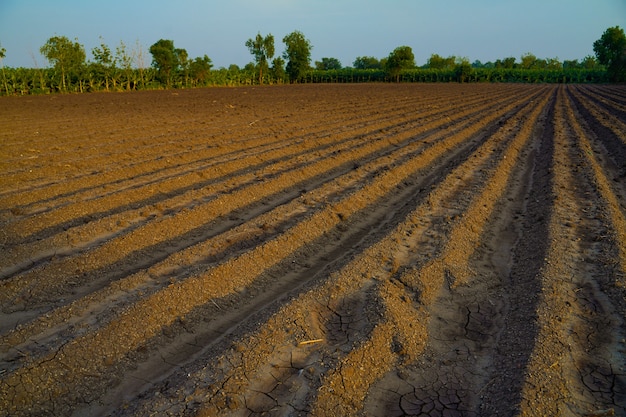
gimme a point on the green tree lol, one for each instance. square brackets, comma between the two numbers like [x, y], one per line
[438, 62]
[262, 48]
[367, 62]
[166, 59]
[589, 62]
[278, 70]
[462, 70]
[328, 64]
[125, 59]
[610, 50]
[183, 64]
[200, 70]
[139, 58]
[401, 58]
[528, 61]
[298, 55]
[66, 56]
[105, 63]
[506, 63]
[4, 76]
[553, 64]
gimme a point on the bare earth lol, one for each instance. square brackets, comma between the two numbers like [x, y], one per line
[324, 250]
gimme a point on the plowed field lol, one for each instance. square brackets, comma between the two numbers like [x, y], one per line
[324, 250]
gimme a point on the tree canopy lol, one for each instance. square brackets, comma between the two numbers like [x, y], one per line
[610, 50]
[327, 64]
[262, 48]
[438, 62]
[66, 56]
[298, 55]
[105, 63]
[200, 69]
[401, 58]
[367, 62]
[167, 59]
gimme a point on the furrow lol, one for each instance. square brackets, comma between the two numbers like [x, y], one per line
[273, 341]
[131, 163]
[605, 96]
[614, 124]
[158, 230]
[266, 221]
[227, 149]
[575, 364]
[198, 177]
[451, 268]
[94, 352]
[615, 200]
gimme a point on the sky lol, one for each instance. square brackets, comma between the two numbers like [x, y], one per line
[483, 30]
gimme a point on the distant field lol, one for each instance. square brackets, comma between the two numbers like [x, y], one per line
[361, 249]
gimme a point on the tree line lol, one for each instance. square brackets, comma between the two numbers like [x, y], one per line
[127, 68]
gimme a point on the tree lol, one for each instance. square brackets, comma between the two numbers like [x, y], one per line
[105, 62]
[183, 64]
[200, 69]
[262, 48]
[167, 59]
[67, 57]
[462, 69]
[4, 77]
[589, 62]
[140, 61]
[401, 58]
[528, 61]
[278, 69]
[367, 62]
[328, 64]
[507, 63]
[554, 64]
[610, 50]
[438, 62]
[298, 55]
[125, 58]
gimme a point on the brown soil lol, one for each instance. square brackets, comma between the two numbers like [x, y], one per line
[326, 250]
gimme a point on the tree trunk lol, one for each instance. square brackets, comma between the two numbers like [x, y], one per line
[63, 79]
[4, 79]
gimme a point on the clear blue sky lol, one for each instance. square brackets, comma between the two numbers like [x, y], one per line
[477, 29]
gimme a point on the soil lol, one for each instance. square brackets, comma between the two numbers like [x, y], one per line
[324, 250]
